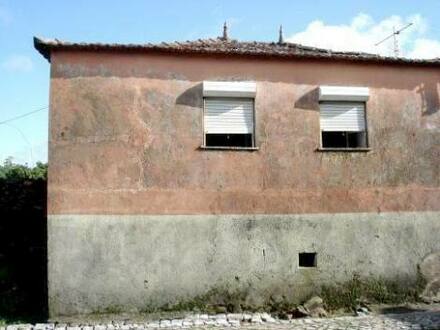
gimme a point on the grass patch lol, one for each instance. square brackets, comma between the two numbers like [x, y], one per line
[364, 290]
[216, 300]
[347, 296]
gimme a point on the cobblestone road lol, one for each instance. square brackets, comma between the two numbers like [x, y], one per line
[417, 320]
[413, 320]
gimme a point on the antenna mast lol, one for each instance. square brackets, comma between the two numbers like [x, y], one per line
[394, 35]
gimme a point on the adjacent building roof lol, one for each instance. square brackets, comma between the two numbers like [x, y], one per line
[228, 47]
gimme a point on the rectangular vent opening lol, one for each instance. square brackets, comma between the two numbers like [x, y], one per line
[307, 259]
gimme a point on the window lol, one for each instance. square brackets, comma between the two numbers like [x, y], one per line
[344, 139]
[342, 117]
[343, 125]
[229, 122]
[229, 140]
[228, 116]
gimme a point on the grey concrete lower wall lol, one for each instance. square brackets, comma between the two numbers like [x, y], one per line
[106, 263]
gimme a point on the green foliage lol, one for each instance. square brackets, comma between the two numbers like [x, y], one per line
[23, 200]
[18, 172]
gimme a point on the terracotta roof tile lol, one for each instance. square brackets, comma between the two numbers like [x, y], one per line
[229, 47]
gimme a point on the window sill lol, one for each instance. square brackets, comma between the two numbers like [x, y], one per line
[343, 149]
[229, 148]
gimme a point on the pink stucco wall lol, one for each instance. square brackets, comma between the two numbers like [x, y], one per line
[125, 131]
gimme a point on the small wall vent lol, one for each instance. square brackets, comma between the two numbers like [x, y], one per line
[307, 259]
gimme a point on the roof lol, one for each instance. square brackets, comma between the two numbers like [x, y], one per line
[228, 47]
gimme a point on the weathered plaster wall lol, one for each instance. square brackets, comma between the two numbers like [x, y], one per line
[125, 168]
[105, 263]
[125, 132]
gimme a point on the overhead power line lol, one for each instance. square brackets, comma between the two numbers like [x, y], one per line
[23, 115]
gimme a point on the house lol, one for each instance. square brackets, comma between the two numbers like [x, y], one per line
[217, 167]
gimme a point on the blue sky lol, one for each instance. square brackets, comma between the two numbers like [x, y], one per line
[24, 74]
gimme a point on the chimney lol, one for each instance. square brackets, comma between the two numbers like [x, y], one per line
[225, 32]
[281, 37]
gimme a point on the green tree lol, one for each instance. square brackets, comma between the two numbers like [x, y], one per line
[23, 198]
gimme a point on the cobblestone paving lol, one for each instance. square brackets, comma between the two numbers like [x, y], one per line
[418, 320]
[258, 321]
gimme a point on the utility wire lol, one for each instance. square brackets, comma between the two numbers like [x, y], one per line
[23, 115]
[31, 154]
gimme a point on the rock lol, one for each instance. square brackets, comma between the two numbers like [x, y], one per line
[234, 323]
[210, 322]
[299, 312]
[313, 303]
[187, 323]
[267, 318]
[222, 322]
[165, 323]
[176, 323]
[24, 326]
[40, 326]
[430, 271]
[234, 316]
[313, 307]
[431, 293]
[318, 312]
[256, 318]
[247, 317]
[430, 267]
[361, 311]
[198, 323]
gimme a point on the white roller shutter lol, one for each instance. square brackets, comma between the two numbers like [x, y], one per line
[342, 116]
[229, 116]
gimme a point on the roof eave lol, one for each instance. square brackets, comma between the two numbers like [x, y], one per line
[42, 46]
[46, 46]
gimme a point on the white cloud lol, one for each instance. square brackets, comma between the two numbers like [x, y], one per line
[425, 48]
[363, 32]
[28, 152]
[17, 63]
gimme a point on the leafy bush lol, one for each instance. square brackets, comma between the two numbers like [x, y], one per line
[23, 261]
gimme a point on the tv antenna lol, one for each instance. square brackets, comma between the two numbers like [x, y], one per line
[394, 35]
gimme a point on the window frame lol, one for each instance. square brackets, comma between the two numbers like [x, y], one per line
[254, 139]
[346, 149]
